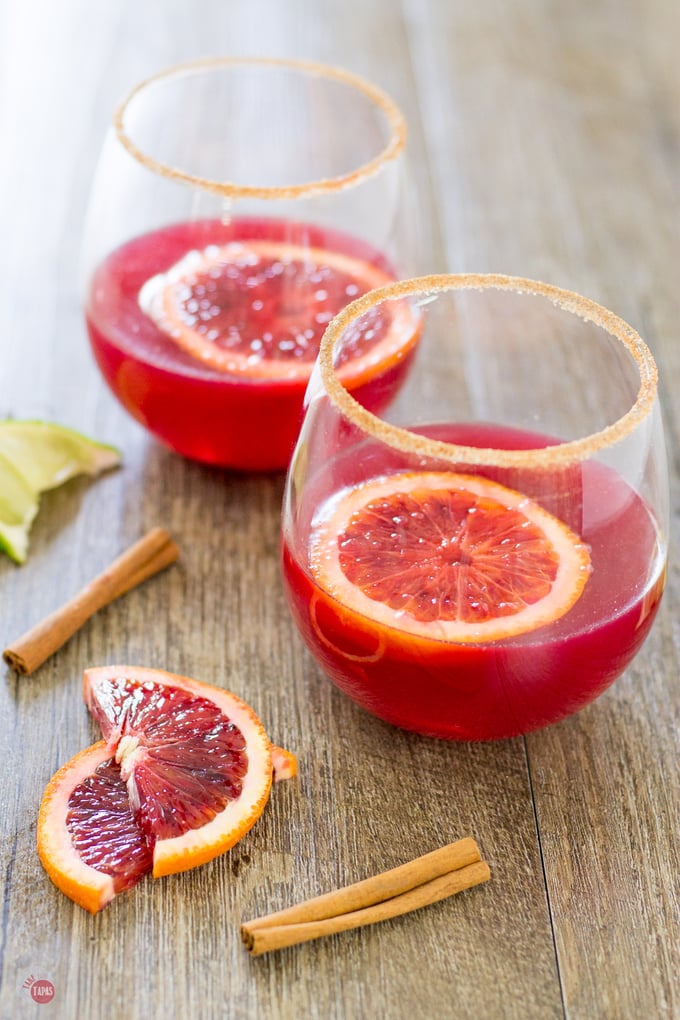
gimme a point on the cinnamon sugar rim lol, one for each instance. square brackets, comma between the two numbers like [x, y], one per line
[430, 286]
[230, 189]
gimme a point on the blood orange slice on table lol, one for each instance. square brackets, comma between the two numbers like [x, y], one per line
[258, 309]
[446, 556]
[184, 771]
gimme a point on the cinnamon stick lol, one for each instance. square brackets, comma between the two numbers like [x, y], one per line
[152, 553]
[425, 880]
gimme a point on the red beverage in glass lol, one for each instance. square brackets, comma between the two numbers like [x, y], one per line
[504, 687]
[238, 205]
[228, 388]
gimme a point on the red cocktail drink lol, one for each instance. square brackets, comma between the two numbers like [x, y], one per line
[477, 690]
[494, 564]
[207, 331]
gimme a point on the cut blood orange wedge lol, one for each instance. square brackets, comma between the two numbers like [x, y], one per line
[447, 556]
[284, 764]
[259, 308]
[183, 772]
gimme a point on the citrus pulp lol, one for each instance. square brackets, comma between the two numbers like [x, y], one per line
[446, 556]
[258, 309]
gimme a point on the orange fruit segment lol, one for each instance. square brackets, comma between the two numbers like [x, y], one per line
[284, 764]
[88, 840]
[184, 771]
[448, 557]
[258, 309]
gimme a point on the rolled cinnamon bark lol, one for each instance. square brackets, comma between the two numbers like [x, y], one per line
[152, 553]
[426, 880]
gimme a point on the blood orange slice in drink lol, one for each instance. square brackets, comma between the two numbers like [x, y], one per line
[447, 556]
[183, 772]
[258, 309]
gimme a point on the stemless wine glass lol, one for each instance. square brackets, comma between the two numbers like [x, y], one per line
[489, 557]
[238, 205]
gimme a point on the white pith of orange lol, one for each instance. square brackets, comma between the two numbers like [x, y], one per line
[334, 517]
[160, 299]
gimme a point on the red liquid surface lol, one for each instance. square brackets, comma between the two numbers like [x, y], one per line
[508, 687]
[202, 412]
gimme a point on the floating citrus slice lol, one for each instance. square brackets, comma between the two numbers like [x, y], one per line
[183, 772]
[259, 308]
[447, 556]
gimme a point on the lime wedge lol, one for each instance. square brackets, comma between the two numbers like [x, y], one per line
[18, 507]
[35, 456]
[47, 454]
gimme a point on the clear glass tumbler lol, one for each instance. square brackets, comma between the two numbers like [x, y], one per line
[238, 205]
[489, 555]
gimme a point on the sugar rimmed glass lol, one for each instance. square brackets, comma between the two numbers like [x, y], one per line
[239, 203]
[488, 556]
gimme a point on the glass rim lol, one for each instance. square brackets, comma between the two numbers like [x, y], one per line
[403, 440]
[230, 189]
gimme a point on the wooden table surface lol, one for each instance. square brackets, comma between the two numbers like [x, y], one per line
[545, 142]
